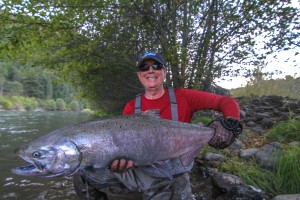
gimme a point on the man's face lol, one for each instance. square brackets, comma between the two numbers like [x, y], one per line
[152, 79]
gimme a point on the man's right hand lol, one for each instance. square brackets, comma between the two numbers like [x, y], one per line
[121, 165]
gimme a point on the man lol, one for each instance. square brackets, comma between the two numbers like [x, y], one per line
[169, 179]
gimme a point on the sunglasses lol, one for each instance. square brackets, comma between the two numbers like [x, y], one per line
[146, 67]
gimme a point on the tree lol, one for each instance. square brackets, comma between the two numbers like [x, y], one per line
[94, 44]
[9, 79]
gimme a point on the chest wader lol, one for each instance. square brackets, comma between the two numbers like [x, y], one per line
[159, 185]
[175, 188]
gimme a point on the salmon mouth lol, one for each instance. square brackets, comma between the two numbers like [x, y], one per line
[33, 167]
[28, 170]
[34, 170]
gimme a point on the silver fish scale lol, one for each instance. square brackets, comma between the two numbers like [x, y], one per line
[144, 138]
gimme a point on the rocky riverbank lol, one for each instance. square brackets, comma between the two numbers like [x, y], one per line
[258, 114]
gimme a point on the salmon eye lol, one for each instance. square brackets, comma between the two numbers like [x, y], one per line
[36, 154]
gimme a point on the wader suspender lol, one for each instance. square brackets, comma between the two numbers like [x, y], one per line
[138, 104]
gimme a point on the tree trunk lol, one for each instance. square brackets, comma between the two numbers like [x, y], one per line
[1, 89]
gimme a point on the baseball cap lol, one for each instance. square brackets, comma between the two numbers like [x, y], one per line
[151, 55]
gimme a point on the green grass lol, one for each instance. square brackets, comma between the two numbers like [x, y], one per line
[285, 131]
[284, 179]
[203, 119]
[287, 171]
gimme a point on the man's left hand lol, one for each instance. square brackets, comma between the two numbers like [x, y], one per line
[226, 130]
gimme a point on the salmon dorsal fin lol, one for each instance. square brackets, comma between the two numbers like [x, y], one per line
[152, 113]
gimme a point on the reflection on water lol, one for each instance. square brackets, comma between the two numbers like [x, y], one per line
[17, 128]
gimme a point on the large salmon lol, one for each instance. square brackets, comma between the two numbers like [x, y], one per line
[144, 138]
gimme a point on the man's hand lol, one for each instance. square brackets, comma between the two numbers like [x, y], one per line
[226, 130]
[121, 165]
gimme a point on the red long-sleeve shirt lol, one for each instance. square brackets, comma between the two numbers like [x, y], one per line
[188, 102]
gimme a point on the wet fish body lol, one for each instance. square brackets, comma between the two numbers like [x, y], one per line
[144, 138]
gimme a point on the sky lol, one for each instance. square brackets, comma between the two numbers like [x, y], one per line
[286, 62]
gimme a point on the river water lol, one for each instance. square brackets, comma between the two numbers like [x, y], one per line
[17, 128]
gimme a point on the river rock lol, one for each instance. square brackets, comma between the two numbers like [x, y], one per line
[236, 146]
[245, 192]
[260, 116]
[268, 155]
[291, 106]
[294, 143]
[213, 157]
[260, 113]
[287, 197]
[243, 114]
[248, 153]
[234, 188]
[225, 182]
[267, 122]
[258, 129]
[251, 124]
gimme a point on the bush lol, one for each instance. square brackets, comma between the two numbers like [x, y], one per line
[30, 103]
[29, 108]
[6, 104]
[51, 105]
[74, 106]
[60, 105]
[17, 101]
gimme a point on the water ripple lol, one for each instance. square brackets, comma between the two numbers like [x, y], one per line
[17, 128]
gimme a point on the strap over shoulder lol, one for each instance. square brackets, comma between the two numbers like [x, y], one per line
[173, 101]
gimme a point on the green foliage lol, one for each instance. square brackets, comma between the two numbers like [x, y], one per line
[251, 174]
[74, 106]
[285, 177]
[60, 105]
[30, 103]
[203, 119]
[5, 103]
[287, 171]
[12, 88]
[283, 180]
[94, 45]
[29, 107]
[285, 131]
[18, 80]
[51, 105]
[18, 102]
[35, 85]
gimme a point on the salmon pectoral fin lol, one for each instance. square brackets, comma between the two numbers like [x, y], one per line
[189, 157]
[98, 176]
